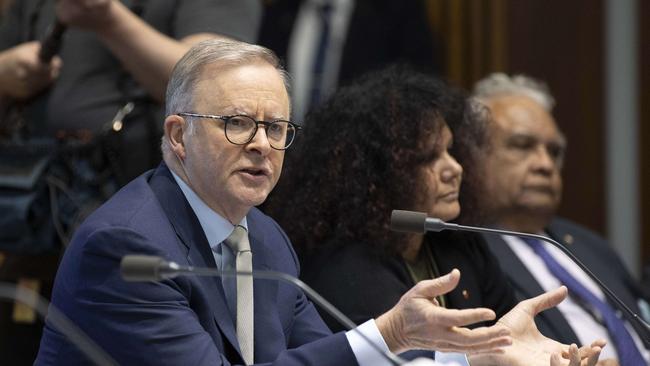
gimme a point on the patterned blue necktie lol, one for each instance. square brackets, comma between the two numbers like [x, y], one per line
[628, 353]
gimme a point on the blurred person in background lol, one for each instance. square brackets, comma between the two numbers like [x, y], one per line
[85, 122]
[327, 43]
[112, 53]
[516, 184]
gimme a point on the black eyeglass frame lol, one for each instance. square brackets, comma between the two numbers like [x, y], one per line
[225, 119]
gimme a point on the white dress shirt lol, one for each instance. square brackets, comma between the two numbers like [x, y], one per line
[217, 229]
[586, 328]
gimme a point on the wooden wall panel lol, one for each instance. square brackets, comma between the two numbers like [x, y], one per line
[473, 34]
[562, 43]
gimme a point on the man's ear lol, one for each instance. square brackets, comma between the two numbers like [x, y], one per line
[174, 127]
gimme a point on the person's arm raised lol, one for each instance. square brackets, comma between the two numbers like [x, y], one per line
[145, 52]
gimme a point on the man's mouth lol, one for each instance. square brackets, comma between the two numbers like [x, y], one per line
[540, 189]
[255, 172]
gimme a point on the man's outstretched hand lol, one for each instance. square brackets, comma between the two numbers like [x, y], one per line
[529, 346]
[585, 356]
[418, 322]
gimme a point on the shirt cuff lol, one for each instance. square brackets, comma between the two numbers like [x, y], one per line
[366, 354]
[445, 358]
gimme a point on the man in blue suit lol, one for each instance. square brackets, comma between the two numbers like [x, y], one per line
[216, 168]
[518, 186]
[197, 208]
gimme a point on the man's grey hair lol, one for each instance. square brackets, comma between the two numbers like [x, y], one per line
[225, 53]
[220, 52]
[499, 84]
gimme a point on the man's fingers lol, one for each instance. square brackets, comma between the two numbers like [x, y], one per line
[592, 359]
[574, 355]
[438, 286]
[583, 356]
[459, 318]
[599, 343]
[586, 351]
[589, 354]
[546, 300]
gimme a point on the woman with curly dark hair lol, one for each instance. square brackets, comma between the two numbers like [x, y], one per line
[379, 144]
[383, 143]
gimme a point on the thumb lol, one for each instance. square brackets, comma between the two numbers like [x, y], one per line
[547, 300]
[437, 286]
[555, 360]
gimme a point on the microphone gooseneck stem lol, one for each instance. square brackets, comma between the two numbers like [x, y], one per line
[311, 293]
[59, 321]
[566, 251]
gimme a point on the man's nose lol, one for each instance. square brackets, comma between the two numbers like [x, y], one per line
[260, 142]
[543, 161]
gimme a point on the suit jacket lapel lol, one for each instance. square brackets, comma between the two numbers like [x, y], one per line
[257, 238]
[526, 285]
[590, 259]
[199, 254]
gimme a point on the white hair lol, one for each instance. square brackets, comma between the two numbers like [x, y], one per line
[500, 84]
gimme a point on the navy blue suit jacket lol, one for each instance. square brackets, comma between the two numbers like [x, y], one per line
[592, 250]
[185, 320]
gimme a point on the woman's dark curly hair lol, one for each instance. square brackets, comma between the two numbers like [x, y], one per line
[360, 157]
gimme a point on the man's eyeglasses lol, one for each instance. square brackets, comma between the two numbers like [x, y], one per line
[240, 129]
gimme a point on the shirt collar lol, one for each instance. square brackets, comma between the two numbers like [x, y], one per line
[215, 226]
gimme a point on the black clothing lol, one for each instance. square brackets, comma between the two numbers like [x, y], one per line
[364, 284]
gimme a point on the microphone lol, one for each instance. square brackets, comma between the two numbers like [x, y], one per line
[418, 222]
[61, 322]
[137, 268]
[51, 43]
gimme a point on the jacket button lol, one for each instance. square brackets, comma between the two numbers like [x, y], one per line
[465, 294]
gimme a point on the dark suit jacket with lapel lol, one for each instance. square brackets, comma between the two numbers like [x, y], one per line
[185, 320]
[592, 250]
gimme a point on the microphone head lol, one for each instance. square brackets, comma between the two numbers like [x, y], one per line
[135, 268]
[408, 221]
